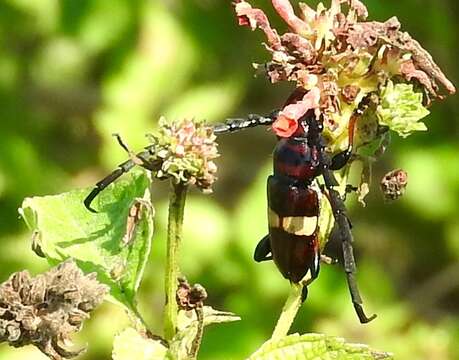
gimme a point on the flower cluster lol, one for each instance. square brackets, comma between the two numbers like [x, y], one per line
[340, 60]
[46, 310]
[185, 151]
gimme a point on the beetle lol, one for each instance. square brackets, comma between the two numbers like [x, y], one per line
[294, 202]
[294, 195]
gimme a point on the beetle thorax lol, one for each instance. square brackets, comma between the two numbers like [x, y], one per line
[295, 159]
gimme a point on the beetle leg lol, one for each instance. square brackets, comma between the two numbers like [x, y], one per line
[339, 212]
[263, 250]
[252, 120]
[349, 190]
[304, 293]
[328, 260]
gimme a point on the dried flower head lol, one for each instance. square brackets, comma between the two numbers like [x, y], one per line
[185, 151]
[393, 184]
[47, 309]
[189, 297]
[341, 61]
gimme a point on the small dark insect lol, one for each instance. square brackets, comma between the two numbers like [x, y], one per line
[293, 199]
[393, 184]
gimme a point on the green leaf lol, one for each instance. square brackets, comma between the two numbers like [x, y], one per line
[129, 344]
[401, 109]
[315, 346]
[115, 243]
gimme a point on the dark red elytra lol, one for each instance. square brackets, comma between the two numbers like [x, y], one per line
[293, 213]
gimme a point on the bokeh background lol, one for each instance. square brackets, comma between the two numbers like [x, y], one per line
[72, 72]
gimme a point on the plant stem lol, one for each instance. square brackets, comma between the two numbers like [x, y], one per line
[200, 330]
[174, 236]
[289, 311]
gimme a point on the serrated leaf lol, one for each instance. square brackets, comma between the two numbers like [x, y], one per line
[315, 346]
[129, 344]
[110, 243]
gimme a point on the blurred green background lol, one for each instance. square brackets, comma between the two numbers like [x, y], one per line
[72, 72]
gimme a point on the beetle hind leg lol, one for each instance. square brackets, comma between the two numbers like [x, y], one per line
[304, 294]
[344, 226]
[263, 250]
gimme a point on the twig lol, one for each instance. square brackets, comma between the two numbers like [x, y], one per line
[200, 329]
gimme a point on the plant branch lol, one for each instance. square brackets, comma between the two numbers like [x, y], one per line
[174, 236]
[289, 311]
[199, 332]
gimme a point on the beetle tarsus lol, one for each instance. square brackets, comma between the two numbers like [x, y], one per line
[361, 314]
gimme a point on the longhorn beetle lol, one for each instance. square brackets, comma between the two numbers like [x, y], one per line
[293, 199]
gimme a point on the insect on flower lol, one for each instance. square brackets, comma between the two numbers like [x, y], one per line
[294, 198]
[354, 82]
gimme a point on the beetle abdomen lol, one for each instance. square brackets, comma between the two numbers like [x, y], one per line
[293, 213]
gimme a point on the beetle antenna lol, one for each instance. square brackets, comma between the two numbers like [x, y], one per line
[237, 124]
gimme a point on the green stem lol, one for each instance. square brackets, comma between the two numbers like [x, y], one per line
[174, 236]
[289, 311]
